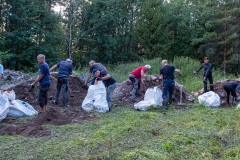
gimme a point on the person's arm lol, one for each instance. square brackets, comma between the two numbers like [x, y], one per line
[178, 71]
[106, 77]
[70, 70]
[142, 75]
[53, 67]
[198, 69]
[38, 79]
[89, 76]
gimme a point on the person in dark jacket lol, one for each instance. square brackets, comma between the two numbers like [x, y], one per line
[232, 87]
[167, 74]
[64, 70]
[207, 74]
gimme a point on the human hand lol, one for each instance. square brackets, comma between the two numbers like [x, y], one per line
[194, 72]
[204, 78]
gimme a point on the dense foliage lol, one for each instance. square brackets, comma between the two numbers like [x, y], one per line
[113, 31]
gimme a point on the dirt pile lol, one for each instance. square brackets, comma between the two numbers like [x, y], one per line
[56, 115]
[218, 88]
[122, 93]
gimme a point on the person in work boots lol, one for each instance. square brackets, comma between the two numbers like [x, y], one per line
[93, 65]
[136, 76]
[207, 74]
[109, 82]
[44, 80]
[232, 87]
[64, 70]
[167, 75]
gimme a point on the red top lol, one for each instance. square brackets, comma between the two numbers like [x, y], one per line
[137, 72]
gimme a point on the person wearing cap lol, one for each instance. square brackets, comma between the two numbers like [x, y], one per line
[1, 70]
[207, 75]
[136, 76]
[232, 87]
[93, 65]
[109, 82]
[167, 75]
[64, 70]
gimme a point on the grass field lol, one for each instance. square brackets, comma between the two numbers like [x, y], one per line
[196, 134]
[124, 133]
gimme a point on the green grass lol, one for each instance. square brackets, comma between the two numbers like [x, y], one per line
[199, 133]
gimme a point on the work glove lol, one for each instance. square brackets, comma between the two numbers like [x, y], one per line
[194, 72]
[32, 86]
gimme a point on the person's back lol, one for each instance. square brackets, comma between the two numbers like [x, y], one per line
[97, 66]
[64, 69]
[168, 72]
[137, 72]
[44, 69]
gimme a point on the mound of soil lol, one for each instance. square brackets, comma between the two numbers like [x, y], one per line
[218, 88]
[122, 93]
[56, 115]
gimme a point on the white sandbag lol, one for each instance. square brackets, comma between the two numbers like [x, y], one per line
[238, 106]
[209, 99]
[4, 106]
[10, 94]
[152, 97]
[96, 99]
[20, 108]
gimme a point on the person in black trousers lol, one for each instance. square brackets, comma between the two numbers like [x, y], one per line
[231, 87]
[207, 74]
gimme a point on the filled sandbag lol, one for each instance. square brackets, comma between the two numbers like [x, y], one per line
[4, 106]
[10, 94]
[238, 106]
[95, 99]
[152, 97]
[209, 99]
[18, 108]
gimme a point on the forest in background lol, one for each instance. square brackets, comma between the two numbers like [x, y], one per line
[119, 31]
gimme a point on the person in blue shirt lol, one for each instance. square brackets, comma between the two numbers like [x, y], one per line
[167, 74]
[232, 87]
[44, 81]
[64, 70]
[109, 82]
[1, 70]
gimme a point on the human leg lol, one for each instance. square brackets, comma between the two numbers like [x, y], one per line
[65, 85]
[110, 90]
[59, 86]
[210, 78]
[135, 86]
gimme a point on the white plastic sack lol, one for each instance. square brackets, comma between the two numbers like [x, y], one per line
[96, 99]
[152, 97]
[209, 99]
[10, 94]
[4, 106]
[238, 106]
[20, 108]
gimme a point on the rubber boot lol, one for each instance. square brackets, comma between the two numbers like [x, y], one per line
[165, 104]
[234, 100]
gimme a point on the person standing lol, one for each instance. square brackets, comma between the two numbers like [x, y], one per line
[207, 74]
[136, 76]
[231, 87]
[44, 80]
[1, 70]
[167, 75]
[109, 82]
[93, 65]
[64, 70]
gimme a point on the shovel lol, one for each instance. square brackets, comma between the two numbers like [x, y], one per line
[202, 79]
[180, 101]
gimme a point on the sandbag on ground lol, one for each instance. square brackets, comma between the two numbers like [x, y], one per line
[4, 106]
[96, 99]
[209, 99]
[152, 97]
[20, 108]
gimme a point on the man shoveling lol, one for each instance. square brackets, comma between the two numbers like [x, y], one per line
[167, 74]
[64, 70]
[135, 77]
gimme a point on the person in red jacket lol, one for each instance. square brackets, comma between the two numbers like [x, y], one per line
[136, 77]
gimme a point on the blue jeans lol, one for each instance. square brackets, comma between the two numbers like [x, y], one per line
[62, 84]
[168, 88]
[110, 90]
[136, 85]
